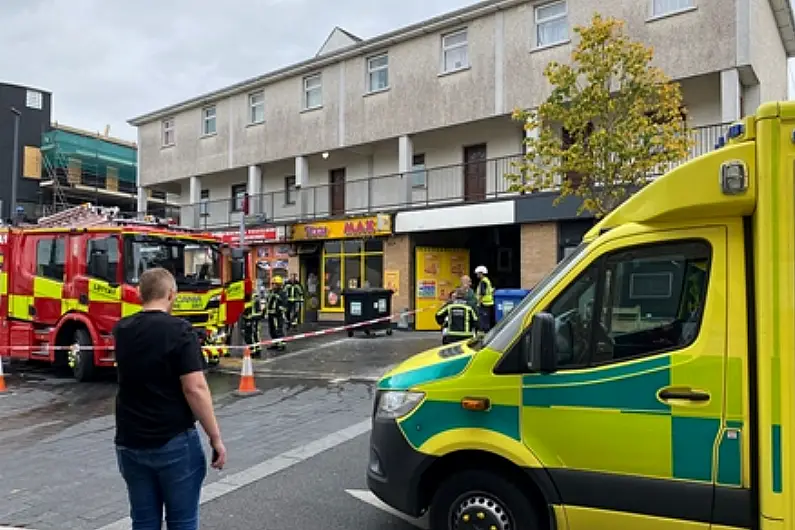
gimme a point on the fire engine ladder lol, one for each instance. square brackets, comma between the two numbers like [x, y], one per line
[81, 216]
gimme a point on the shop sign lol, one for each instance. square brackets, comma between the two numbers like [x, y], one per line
[359, 227]
[254, 236]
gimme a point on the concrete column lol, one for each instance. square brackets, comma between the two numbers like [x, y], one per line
[530, 134]
[254, 190]
[141, 201]
[301, 182]
[193, 212]
[730, 92]
[405, 161]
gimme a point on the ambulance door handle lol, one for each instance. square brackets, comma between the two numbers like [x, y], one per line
[683, 394]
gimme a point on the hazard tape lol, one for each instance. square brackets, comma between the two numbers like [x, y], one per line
[291, 338]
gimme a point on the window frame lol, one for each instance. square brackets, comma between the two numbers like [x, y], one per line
[419, 170]
[448, 48]
[370, 71]
[235, 191]
[54, 240]
[307, 89]
[204, 203]
[289, 190]
[168, 127]
[253, 105]
[207, 119]
[653, 15]
[538, 23]
[341, 255]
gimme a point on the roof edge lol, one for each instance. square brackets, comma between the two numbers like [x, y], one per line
[95, 135]
[432, 25]
[785, 20]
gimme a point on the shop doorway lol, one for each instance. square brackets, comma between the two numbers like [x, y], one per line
[475, 173]
[337, 191]
[310, 279]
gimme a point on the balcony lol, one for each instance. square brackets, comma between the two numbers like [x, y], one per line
[455, 184]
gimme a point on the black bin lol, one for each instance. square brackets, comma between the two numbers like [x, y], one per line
[366, 304]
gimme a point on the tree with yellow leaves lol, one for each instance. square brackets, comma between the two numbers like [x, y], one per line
[611, 122]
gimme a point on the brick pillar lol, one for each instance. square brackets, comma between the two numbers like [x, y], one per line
[539, 253]
[397, 256]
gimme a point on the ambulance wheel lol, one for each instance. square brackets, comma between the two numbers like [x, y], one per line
[83, 369]
[480, 499]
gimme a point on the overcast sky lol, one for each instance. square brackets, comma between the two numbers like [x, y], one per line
[106, 61]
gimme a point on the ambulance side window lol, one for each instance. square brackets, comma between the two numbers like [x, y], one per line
[51, 258]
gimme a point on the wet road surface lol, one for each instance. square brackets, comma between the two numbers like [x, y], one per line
[57, 463]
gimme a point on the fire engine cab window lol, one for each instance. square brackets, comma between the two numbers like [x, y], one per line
[51, 258]
[96, 249]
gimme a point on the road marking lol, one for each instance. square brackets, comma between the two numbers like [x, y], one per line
[267, 468]
[300, 352]
[367, 497]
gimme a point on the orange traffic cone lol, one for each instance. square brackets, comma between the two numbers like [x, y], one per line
[3, 387]
[248, 387]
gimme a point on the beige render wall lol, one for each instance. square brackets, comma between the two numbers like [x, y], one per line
[539, 252]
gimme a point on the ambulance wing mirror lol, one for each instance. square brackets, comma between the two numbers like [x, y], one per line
[539, 344]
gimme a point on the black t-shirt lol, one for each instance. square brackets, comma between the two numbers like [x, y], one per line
[153, 349]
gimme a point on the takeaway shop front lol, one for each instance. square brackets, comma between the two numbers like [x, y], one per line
[339, 254]
[269, 252]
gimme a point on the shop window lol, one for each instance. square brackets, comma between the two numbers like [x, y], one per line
[350, 264]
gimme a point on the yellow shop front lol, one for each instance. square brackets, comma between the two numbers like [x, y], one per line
[339, 254]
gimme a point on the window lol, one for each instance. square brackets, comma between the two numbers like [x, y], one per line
[204, 203]
[378, 73]
[313, 92]
[238, 196]
[97, 251]
[666, 7]
[419, 177]
[350, 264]
[208, 121]
[33, 99]
[256, 106]
[455, 52]
[51, 258]
[552, 26]
[650, 298]
[168, 132]
[289, 190]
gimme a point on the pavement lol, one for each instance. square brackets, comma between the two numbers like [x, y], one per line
[308, 429]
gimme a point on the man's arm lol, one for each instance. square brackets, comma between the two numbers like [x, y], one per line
[189, 365]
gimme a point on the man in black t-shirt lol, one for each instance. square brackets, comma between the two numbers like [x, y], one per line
[162, 391]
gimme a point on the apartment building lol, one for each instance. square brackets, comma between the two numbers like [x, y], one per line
[384, 159]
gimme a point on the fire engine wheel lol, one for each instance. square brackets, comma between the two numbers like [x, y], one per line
[83, 368]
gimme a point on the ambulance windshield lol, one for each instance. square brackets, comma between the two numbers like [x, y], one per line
[194, 264]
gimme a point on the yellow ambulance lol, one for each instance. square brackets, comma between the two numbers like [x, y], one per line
[647, 383]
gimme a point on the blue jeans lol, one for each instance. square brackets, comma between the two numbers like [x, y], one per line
[170, 476]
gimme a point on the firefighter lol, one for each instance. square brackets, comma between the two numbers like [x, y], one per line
[252, 321]
[457, 318]
[276, 307]
[485, 297]
[295, 301]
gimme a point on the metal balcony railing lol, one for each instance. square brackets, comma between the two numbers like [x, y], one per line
[454, 184]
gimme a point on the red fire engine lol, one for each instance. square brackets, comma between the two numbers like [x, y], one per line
[69, 278]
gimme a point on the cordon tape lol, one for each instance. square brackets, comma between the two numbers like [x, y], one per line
[291, 338]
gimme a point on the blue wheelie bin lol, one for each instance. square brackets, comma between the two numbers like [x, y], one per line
[506, 299]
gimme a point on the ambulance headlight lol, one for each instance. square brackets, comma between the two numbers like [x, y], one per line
[733, 177]
[395, 404]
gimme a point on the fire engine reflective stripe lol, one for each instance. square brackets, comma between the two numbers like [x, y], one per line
[3, 283]
[47, 288]
[236, 292]
[19, 306]
[128, 309]
[70, 304]
[99, 291]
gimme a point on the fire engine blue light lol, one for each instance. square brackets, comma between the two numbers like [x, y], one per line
[721, 142]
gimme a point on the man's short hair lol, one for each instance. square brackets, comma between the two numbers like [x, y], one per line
[155, 284]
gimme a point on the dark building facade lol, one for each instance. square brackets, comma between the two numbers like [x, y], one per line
[34, 106]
